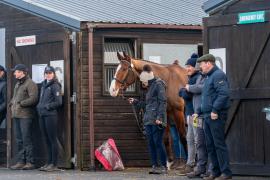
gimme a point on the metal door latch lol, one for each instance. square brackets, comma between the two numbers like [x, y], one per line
[73, 98]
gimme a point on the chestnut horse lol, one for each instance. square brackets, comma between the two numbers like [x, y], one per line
[175, 77]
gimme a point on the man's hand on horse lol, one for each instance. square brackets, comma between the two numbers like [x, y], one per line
[187, 87]
[158, 122]
[214, 116]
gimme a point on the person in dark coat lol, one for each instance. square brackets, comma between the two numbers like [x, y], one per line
[23, 102]
[155, 118]
[49, 102]
[3, 94]
[193, 74]
[214, 107]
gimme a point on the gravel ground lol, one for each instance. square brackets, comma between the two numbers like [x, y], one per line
[130, 173]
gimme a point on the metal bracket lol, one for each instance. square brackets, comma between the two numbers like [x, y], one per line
[72, 37]
[74, 160]
[73, 98]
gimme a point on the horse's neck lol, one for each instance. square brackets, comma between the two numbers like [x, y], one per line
[138, 66]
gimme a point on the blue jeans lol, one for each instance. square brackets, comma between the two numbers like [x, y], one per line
[191, 133]
[24, 140]
[48, 127]
[155, 144]
[201, 150]
[215, 143]
[178, 147]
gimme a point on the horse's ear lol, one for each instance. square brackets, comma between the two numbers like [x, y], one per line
[120, 57]
[125, 54]
[127, 57]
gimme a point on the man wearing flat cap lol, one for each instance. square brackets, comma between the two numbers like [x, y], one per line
[214, 107]
[3, 94]
[25, 97]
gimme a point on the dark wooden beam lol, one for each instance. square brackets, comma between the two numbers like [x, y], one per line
[91, 96]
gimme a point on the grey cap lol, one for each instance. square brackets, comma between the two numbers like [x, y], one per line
[206, 57]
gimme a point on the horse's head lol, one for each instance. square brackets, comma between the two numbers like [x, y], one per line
[124, 76]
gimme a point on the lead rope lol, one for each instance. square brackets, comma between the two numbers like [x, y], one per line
[139, 121]
[141, 111]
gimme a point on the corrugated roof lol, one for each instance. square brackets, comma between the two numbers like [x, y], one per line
[176, 12]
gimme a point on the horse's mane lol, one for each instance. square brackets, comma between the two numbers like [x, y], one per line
[146, 61]
[176, 62]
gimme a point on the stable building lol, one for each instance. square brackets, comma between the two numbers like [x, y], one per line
[80, 38]
[237, 33]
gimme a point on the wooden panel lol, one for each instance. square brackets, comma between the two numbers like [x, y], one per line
[113, 116]
[247, 62]
[252, 170]
[35, 55]
[51, 39]
[245, 138]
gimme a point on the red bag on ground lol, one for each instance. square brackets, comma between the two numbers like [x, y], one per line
[108, 156]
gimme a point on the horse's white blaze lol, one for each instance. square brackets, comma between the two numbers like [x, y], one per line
[113, 90]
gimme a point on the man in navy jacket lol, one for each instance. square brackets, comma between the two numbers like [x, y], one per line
[215, 104]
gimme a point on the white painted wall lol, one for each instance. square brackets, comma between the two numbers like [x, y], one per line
[2, 47]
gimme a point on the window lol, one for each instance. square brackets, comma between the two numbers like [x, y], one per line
[167, 53]
[111, 47]
[2, 47]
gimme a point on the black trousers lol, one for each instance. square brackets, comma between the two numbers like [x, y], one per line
[24, 140]
[2, 116]
[48, 126]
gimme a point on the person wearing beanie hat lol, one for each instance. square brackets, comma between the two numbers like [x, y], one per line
[50, 101]
[192, 60]
[214, 107]
[193, 74]
[23, 102]
[3, 94]
[155, 117]
[200, 145]
[146, 75]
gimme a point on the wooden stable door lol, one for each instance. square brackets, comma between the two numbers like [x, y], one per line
[248, 70]
[45, 53]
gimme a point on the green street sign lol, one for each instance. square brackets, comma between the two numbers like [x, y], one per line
[251, 17]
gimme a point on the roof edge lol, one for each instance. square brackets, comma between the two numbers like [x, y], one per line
[44, 13]
[137, 26]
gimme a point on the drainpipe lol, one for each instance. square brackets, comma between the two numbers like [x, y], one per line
[91, 96]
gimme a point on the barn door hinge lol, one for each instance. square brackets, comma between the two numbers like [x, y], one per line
[73, 98]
